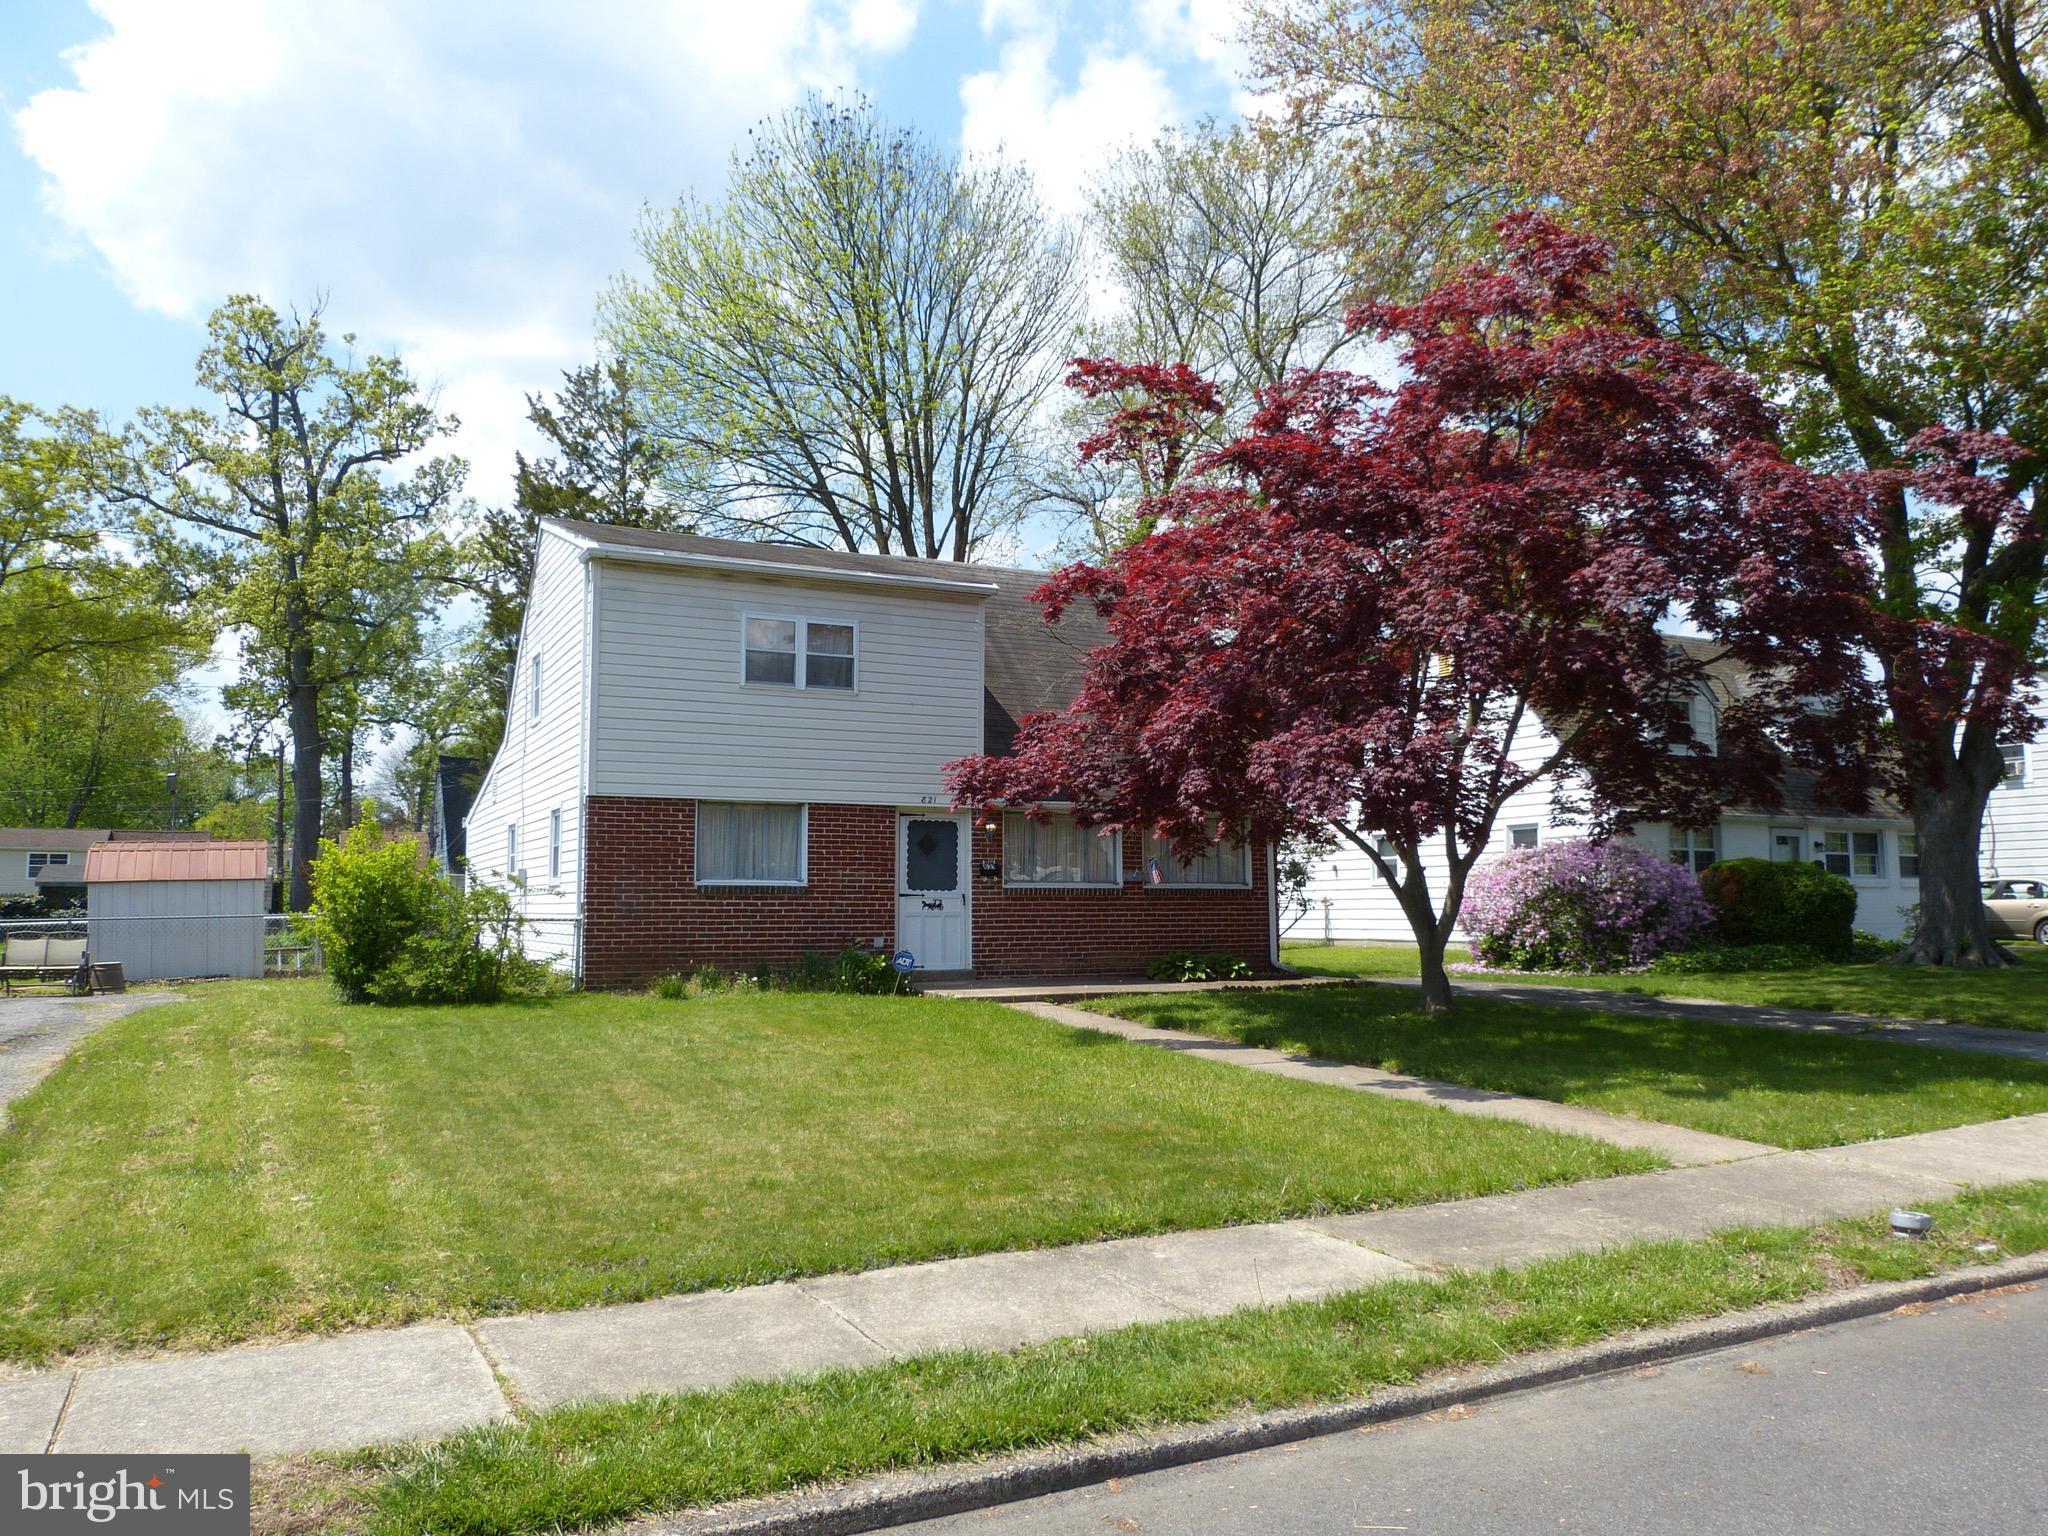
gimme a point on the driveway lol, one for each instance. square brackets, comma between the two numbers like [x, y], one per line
[37, 1032]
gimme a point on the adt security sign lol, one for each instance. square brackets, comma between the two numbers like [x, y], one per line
[904, 961]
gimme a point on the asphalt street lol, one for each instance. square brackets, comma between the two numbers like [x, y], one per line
[1930, 1420]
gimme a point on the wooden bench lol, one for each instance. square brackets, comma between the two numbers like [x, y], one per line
[41, 958]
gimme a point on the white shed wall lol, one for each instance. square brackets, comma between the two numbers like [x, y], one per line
[165, 929]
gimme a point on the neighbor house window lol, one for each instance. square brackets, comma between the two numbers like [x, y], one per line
[1521, 837]
[1695, 847]
[533, 687]
[1224, 864]
[1059, 852]
[1909, 855]
[38, 862]
[749, 844]
[511, 848]
[554, 843]
[2013, 774]
[800, 653]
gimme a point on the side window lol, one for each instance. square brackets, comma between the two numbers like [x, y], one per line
[554, 842]
[533, 687]
[2014, 774]
[1522, 837]
[784, 651]
[1909, 856]
[511, 848]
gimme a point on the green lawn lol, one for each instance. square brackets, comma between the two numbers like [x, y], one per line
[260, 1159]
[2016, 998]
[597, 1464]
[1765, 1085]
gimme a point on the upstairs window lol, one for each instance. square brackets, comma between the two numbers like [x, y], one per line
[2014, 772]
[1059, 852]
[1697, 713]
[38, 862]
[1224, 865]
[787, 651]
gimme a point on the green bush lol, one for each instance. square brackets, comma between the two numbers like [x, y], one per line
[395, 932]
[1735, 957]
[1184, 965]
[1868, 948]
[1756, 901]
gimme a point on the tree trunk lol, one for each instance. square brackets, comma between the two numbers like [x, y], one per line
[302, 704]
[1436, 981]
[1952, 929]
[348, 783]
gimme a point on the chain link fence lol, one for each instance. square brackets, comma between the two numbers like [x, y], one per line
[200, 946]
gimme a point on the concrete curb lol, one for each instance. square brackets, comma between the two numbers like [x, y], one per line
[927, 1494]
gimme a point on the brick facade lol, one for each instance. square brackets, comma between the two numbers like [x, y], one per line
[646, 916]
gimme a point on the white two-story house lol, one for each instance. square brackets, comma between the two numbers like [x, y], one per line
[727, 752]
[1348, 902]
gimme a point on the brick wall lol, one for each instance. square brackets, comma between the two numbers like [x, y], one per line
[645, 915]
[1050, 932]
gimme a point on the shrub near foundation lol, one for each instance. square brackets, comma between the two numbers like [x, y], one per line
[1758, 902]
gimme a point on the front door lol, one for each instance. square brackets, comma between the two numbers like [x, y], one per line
[1788, 845]
[931, 890]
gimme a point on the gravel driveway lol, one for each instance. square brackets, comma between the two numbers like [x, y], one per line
[36, 1032]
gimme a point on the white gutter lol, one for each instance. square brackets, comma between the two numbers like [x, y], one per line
[634, 555]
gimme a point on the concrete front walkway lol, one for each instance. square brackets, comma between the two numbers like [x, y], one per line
[433, 1379]
[2024, 1044]
[1677, 1143]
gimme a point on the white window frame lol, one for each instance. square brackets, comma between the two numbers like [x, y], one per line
[1515, 836]
[803, 848]
[1116, 860]
[555, 843]
[1828, 853]
[2013, 774]
[533, 686]
[1158, 848]
[803, 623]
[511, 848]
[57, 856]
[1909, 852]
[1688, 843]
[1857, 855]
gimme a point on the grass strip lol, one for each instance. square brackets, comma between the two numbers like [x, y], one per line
[1768, 1085]
[583, 1465]
[2014, 998]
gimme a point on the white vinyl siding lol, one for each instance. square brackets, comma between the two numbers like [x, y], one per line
[674, 717]
[1224, 865]
[538, 774]
[1059, 852]
[750, 844]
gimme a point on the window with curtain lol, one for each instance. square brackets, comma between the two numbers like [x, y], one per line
[1059, 852]
[791, 652]
[1225, 864]
[1694, 847]
[749, 844]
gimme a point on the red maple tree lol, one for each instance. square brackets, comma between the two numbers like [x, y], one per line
[1381, 613]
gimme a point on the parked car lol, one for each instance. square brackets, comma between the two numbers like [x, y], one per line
[2017, 909]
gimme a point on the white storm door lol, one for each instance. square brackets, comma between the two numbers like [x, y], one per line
[931, 890]
[1788, 845]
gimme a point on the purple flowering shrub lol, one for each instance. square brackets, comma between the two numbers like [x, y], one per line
[1580, 906]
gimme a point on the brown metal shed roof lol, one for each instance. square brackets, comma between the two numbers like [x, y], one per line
[106, 863]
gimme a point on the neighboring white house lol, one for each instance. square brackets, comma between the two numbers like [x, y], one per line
[2015, 836]
[1348, 902]
[726, 752]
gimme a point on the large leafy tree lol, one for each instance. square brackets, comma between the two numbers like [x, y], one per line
[603, 463]
[851, 349]
[304, 501]
[1848, 198]
[1218, 246]
[1357, 614]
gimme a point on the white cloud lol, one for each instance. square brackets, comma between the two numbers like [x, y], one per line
[459, 179]
[1064, 135]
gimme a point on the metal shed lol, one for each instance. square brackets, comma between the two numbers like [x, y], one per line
[172, 909]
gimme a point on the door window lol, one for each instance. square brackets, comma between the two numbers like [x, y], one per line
[931, 855]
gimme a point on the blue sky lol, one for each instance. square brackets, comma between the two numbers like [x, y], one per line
[461, 178]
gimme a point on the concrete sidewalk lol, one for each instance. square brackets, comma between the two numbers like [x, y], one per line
[433, 1379]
